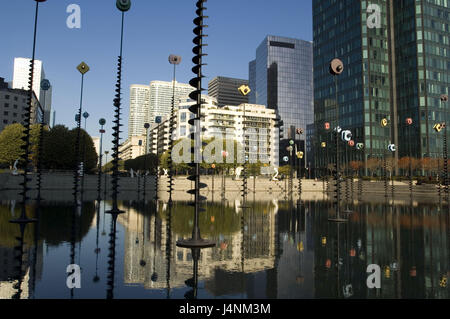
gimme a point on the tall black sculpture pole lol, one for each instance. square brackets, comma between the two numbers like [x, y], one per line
[409, 123]
[444, 100]
[336, 68]
[244, 90]
[83, 68]
[299, 155]
[123, 6]
[23, 220]
[45, 86]
[106, 174]
[384, 125]
[146, 126]
[196, 241]
[102, 123]
[83, 167]
[174, 60]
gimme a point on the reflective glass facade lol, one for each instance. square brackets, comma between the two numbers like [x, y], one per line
[281, 77]
[395, 71]
[423, 71]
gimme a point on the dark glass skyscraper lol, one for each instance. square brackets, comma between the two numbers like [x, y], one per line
[281, 77]
[225, 90]
[396, 70]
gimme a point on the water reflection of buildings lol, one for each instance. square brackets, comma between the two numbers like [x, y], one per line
[145, 253]
[410, 244]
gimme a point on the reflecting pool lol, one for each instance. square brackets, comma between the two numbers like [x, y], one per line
[272, 249]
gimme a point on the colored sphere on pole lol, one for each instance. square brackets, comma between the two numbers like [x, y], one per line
[102, 122]
[123, 5]
[409, 121]
[174, 59]
[45, 85]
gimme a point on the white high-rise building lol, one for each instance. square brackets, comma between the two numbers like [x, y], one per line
[139, 107]
[256, 131]
[20, 81]
[161, 97]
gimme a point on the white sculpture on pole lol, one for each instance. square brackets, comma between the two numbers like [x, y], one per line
[274, 177]
[239, 171]
[15, 172]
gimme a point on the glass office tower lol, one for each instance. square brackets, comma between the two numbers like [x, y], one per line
[281, 77]
[395, 71]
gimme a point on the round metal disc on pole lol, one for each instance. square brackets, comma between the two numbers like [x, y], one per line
[174, 59]
[123, 5]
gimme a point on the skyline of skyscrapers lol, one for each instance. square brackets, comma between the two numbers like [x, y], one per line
[393, 72]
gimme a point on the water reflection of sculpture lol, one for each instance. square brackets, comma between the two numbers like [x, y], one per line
[224, 228]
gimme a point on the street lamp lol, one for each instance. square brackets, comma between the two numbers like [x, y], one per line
[102, 122]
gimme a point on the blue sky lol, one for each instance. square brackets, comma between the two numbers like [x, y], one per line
[153, 31]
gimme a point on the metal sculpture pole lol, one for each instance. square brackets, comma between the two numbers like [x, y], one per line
[123, 6]
[83, 68]
[409, 122]
[23, 219]
[83, 167]
[444, 100]
[174, 60]
[112, 256]
[196, 241]
[106, 174]
[336, 68]
[299, 155]
[45, 86]
[146, 126]
[244, 90]
[102, 123]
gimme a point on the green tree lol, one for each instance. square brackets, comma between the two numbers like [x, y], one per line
[147, 162]
[58, 153]
[10, 144]
[87, 149]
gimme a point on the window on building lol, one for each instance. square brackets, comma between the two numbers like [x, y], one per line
[182, 130]
[5, 121]
[6, 97]
[5, 113]
[6, 104]
[14, 114]
[16, 98]
[15, 106]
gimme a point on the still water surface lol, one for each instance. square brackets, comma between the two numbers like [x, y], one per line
[274, 249]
